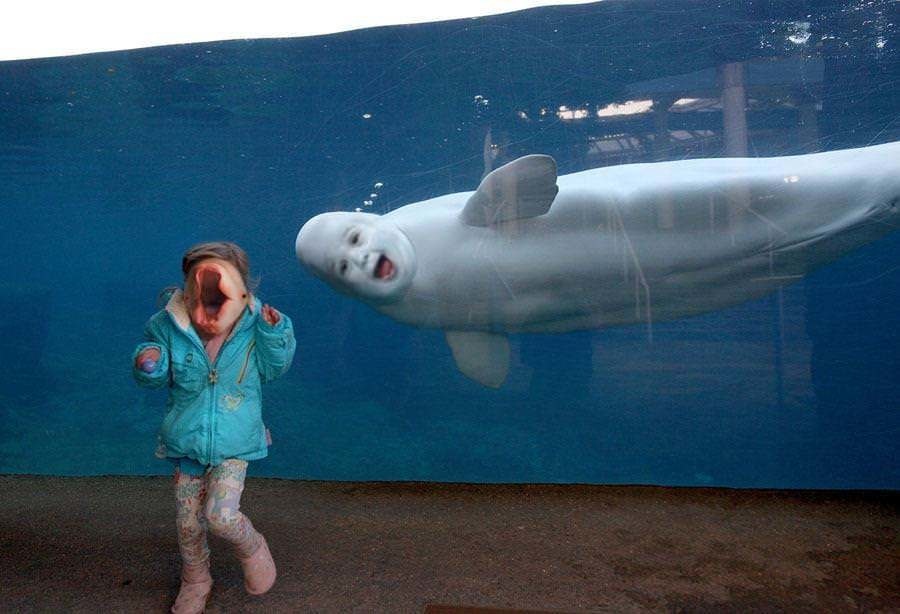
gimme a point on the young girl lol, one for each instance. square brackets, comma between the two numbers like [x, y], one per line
[213, 345]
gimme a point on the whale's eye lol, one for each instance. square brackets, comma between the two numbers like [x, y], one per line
[342, 268]
[354, 238]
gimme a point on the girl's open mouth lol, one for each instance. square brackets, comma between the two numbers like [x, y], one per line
[384, 268]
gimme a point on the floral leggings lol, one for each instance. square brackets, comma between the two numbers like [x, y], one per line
[212, 501]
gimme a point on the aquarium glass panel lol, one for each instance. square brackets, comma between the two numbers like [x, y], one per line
[724, 314]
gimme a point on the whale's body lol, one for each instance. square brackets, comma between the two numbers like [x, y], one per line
[615, 245]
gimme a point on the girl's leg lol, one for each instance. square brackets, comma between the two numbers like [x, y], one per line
[225, 520]
[222, 507]
[196, 583]
[190, 491]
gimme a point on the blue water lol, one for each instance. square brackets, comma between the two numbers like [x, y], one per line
[112, 164]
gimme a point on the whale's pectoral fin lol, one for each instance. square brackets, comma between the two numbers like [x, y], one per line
[484, 357]
[523, 188]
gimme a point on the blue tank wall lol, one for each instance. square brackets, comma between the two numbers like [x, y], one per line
[112, 164]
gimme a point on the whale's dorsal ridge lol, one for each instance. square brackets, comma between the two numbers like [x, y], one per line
[526, 187]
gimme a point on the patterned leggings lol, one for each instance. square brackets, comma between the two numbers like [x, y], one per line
[212, 501]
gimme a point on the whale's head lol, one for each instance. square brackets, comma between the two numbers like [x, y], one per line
[215, 294]
[359, 254]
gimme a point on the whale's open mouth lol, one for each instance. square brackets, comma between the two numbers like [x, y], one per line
[384, 268]
[211, 297]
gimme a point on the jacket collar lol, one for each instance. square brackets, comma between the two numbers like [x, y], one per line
[178, 310]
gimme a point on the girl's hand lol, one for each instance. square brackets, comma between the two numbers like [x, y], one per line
[146, 361]
[270, 315]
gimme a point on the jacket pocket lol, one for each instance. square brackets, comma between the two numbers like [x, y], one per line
[188, 372]
[240, 433]
[246, 364]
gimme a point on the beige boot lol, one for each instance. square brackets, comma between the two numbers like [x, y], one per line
[259, 569]
[196, 584]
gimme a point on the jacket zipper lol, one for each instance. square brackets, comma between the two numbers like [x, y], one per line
[213, 378]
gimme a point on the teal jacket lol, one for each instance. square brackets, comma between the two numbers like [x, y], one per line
[214, 411]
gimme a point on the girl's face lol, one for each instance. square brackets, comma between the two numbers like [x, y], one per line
[215, 295]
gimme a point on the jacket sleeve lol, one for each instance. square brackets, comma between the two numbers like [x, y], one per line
[155, 339]
[275, 347]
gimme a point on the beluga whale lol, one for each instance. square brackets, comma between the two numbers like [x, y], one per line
[531, 252]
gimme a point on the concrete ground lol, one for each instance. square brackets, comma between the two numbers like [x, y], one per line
[108, 544]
